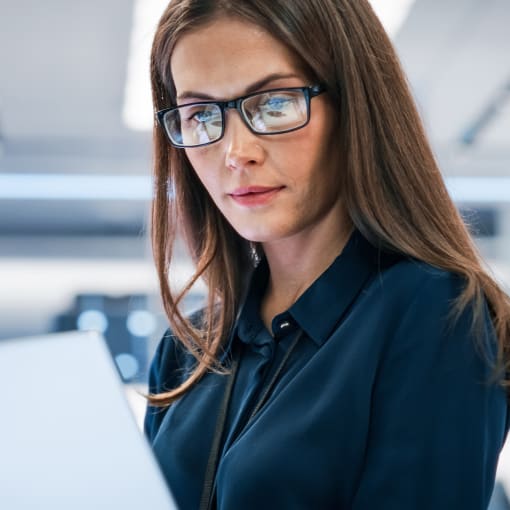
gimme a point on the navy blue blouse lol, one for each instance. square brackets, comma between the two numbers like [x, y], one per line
[383, 404]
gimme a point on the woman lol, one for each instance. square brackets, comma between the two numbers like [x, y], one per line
[352, 352]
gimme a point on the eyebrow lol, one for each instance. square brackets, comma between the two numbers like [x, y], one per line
[259, 84]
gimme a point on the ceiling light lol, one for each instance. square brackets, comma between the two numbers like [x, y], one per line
[74, 187]
[479, 189]
[392, 13]
[137, 111]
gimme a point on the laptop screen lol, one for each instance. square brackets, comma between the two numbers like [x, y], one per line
[68, 438]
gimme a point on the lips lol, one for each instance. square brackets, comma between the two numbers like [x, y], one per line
[239, 192]
[255, 195]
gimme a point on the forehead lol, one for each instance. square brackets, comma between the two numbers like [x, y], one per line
[224, 56]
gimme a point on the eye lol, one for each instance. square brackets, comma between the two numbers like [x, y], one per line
[276, 103]
[201, 115]
[205, 115]
[277, 106]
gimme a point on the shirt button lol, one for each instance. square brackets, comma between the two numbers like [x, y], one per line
[284, 325]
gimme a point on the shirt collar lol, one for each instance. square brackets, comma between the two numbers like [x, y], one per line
[322, 306]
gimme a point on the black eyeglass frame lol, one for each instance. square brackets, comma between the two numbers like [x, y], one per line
[308, 91]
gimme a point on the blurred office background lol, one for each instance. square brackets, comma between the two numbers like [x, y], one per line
[75, 155]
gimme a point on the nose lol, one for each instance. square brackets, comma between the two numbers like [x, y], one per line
[243, 148]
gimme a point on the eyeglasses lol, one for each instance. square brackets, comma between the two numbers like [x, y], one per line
[271, 112]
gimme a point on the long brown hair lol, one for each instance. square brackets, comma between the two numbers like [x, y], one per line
[391, 185]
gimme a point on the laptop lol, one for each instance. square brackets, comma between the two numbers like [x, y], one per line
[68, 438]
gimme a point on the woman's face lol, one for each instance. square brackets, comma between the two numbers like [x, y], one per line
[269, 187]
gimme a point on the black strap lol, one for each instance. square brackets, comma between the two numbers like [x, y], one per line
[209, 489]
[210, 473]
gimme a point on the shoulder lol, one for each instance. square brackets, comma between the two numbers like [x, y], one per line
[423, 315]
[172, 362]
[170, 367]
[408, 282]
[409, 274]
[417, 306]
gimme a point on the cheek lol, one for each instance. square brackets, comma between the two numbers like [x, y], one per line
[307, 159]
[201, 164]
[300, 152]
[317, 169]
[197, 160]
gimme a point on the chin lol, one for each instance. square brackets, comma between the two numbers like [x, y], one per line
[250, 234]
[258, 235]
[255, 238]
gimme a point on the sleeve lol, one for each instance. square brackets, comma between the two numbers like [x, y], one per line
[163, 375]
[437, 425]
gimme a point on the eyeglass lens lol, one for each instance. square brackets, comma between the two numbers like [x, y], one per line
[265, 113]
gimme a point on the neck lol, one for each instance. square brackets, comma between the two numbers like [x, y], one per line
[296, 262]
